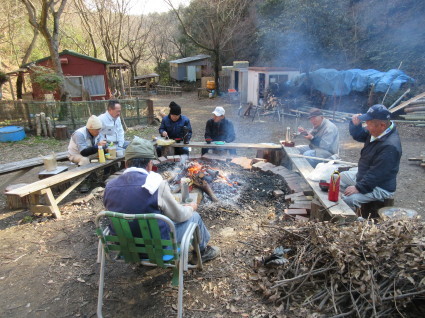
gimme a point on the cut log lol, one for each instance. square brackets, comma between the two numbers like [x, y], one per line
[61, 132]
[14, 201]
[49, 126]
[38, 124]
[43, 124]
[415, 109]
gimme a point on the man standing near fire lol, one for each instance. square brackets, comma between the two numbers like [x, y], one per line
[324, 137]
[139, 190]
[375, 177]
[219, 129]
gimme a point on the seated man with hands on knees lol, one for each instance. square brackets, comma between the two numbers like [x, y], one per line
[85, 142]
[219, 128]
[324, 138]
[375, 177]
[140, 190]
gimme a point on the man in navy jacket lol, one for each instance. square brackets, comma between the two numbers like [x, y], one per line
[219, 128]
[375, 179]
[176, 126]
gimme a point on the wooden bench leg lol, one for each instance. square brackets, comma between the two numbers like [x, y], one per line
[51, 206]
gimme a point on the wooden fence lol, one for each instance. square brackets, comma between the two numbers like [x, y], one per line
[156, 90]
[73, 114]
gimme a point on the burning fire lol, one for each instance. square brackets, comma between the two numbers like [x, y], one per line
[194, 168]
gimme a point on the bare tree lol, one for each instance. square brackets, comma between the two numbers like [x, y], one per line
[86, 17]
[211, 24]
[50, 12]
[136, 35]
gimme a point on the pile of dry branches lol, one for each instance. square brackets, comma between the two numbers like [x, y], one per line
[355, 270]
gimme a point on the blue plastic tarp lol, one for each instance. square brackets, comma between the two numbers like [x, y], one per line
[341, 83]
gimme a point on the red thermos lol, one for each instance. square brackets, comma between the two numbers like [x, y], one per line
[333, 191]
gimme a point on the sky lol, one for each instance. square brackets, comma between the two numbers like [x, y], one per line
[150, 6]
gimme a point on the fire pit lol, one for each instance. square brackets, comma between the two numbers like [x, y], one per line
[230, 190]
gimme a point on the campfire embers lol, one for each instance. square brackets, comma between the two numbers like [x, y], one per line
[205, 178]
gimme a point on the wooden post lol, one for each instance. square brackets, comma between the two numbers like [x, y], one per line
[38, 124]
[11, 89]
[137, 109]
[43, 123]
[149, 103]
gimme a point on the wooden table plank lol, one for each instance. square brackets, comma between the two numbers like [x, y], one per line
[29, 163]
[62, 177]
[231, 145]
[338, 209]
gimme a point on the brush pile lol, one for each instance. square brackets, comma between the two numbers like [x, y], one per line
[355, 270]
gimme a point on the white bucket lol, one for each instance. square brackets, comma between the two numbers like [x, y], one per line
[50, 163]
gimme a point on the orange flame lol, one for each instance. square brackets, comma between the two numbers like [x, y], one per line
[194, 169]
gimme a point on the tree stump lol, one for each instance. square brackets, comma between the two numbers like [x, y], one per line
[61, 132]
[15, 202]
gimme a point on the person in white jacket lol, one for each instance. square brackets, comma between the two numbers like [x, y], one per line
[112, 130]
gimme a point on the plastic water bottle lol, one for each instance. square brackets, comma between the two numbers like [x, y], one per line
[101, 154]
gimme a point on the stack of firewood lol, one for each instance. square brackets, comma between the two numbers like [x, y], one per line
[360, 269]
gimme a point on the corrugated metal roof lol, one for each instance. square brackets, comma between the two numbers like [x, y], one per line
[191, 59]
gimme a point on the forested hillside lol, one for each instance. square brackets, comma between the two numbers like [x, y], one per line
[306, 34]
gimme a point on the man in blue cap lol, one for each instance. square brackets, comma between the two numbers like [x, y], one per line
[375, 178]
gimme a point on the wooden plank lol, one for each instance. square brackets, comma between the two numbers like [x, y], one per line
[296, 211]
[62, 177]
[336, 209]
[231, 145]
[29, 163]
[402, 105]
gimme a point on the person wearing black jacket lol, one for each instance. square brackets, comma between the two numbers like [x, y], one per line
[176, 126]
[375, 178]
[219, 128]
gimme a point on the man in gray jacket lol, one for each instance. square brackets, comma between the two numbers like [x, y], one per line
[140, 190]
[324, 137]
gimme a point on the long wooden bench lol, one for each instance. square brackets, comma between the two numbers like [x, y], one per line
[336, 210]
[23, 166]
[42, 188]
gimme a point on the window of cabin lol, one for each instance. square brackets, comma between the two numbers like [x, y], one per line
[74, 85]
[95, 85]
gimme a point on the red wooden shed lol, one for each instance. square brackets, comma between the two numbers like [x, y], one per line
[85, 76]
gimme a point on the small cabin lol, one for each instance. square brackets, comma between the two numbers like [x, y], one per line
[190, 68]
[85, 76]
[261, 78]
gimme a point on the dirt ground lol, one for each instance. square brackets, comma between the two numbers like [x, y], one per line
[48, 267]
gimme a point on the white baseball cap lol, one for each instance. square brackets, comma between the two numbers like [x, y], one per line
[219, 111]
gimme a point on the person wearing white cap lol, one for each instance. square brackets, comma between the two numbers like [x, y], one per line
[219, 128]
[85, 142]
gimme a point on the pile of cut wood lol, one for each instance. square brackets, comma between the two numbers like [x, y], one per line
[415, 111]
[345, 270]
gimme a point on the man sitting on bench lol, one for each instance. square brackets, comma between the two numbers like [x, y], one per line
[324, 137]
[219, 129]
[85, 141]
[379, 161]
